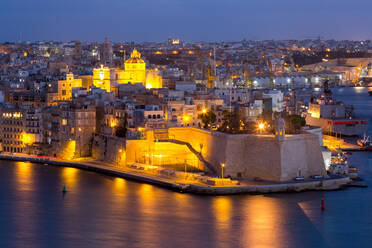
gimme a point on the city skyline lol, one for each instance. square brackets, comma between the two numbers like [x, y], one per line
[190, 21]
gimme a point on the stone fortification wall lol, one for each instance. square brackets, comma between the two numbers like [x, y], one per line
[109, 149]
[256, 156]
[301, 155]
[245, 156]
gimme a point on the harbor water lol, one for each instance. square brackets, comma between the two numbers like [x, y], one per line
[102, 211]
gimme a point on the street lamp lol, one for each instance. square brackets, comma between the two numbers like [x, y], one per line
[79, 142]
[261, 126]
[119, 159]
[222, 167]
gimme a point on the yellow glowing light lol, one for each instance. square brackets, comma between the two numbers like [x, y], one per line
[148, 86]
[223, 165]
[191, 52]
[261, 126]
[69, 150]
[27, 138]
[120, 150]
[113, 123]
[175, 52]
[328, 50]
[140, 129]
[158, 52]
[25, 54]
[186, 118]
[204, 111]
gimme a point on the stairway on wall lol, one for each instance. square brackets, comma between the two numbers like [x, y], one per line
[208, 165]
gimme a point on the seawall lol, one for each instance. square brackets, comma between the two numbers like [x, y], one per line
[323, 184]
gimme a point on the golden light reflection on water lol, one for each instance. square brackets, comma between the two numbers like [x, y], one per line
[147, 196]
[359, 89]
[148, 229]
[222, 208]
[70, 176]
[119, 185]
[23, 176]
[25, 204]
[262, 222]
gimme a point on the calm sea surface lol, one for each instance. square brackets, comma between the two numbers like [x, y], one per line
[102, 211]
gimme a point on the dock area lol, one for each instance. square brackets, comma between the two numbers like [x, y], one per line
[334, 143]
[189, 184]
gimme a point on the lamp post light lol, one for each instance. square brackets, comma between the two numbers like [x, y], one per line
[222, 167]
[119, 159]
[79, 142]
[261, 127]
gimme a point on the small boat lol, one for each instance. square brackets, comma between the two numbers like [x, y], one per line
[365, 143]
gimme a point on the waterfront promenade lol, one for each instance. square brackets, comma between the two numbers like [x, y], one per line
[186, 182]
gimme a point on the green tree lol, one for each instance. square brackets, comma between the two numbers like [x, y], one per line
[295, 123]
[230, 122]
[207, 118]
[121, 130]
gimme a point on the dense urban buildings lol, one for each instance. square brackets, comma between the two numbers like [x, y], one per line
[70, 100]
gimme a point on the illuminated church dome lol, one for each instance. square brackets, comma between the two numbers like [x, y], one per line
[135, 58]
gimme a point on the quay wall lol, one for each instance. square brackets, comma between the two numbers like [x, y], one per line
[323, 184]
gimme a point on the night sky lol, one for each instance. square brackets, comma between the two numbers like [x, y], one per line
[190, 20]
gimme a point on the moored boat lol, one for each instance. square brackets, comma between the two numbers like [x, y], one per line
[365, 143]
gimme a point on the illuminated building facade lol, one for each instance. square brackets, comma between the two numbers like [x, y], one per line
[78, 123]
[134, 72]
[102, 78]
[135, 69]
[68, 129]
[65, 87]
[12, 129]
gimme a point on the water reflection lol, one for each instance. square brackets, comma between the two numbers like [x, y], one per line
[70, 177]
[263, 220]
[148, 227]
[146, 195]
[26, 221]
[359, 89]
[119, 186]
[23, 176]
[222, 210]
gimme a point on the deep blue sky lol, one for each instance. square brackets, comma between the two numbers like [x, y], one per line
[190, 20]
